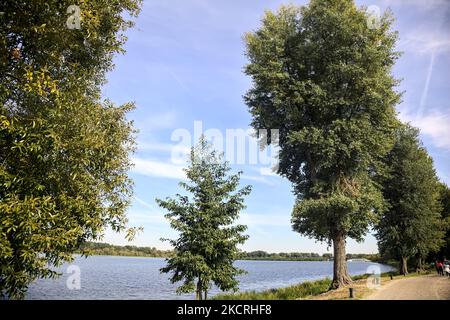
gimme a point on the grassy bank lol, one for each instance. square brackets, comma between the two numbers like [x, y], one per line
[313, 289]
[289, 293]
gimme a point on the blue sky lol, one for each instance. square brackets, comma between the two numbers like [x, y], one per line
[184, 63]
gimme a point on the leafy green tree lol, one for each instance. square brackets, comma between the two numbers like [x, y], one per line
[411, 226]
[64, 152]
[322, 77]
[444, 199]
[208, 238]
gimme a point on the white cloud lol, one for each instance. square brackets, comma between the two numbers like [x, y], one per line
[149, 214]
[142, 217]
[144, 203]
[265, 219]
[425, 42]
[257, 179]
[427, 34]
[435, 125]
[154, 146]
[158, 121]
[160, 169]
[267, 172]
[163, 147]
[422, 4]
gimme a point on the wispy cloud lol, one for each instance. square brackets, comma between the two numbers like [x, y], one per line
[163, 147]
[254, 219]
[143, 217]
[434, 125]
[178, 80]
[145, 213]
[258, 179]
[144, 203]
[422, 4]
[167, 169]
[158, 121]
[426, 88]
[268, 172]
[425, 41]
[154, 168]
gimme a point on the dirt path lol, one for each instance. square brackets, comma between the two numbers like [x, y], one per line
[432, 287]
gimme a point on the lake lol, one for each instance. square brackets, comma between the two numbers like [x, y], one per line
[107, 277]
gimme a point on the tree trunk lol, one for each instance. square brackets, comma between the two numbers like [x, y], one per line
[419, 264]
[198, 293]
[340, 273]
[404, 266]
[206, 294]
[312, 168]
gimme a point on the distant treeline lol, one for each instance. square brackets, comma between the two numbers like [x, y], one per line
[106, 249]
[302, 256]
[262, 255]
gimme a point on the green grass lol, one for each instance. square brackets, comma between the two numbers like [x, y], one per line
[310, 288]
[301, 290]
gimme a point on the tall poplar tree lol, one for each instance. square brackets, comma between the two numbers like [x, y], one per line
[208, 236]
[444, 199]
[412, 226]
[322, 76]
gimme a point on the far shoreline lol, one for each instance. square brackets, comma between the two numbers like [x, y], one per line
[106, 249]
[240, 259]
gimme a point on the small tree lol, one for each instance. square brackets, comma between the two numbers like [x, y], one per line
[208, 239]
[411, 227]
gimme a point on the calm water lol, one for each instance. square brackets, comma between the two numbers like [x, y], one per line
[106, 277]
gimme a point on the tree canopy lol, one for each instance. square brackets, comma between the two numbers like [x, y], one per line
[412, 224]
[323, 77]
[208, 235]
[444, 199]
[64, 150]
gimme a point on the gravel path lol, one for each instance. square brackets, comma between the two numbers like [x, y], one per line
[432, 287]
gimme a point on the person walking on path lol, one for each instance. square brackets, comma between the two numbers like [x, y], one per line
[440, 266]
[447, 270]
